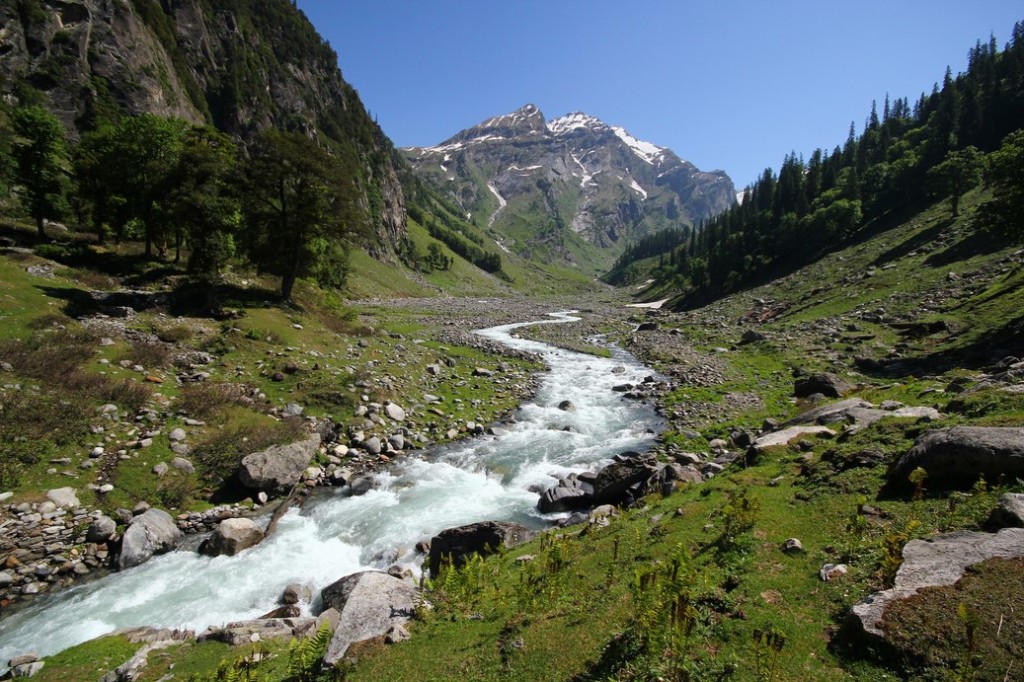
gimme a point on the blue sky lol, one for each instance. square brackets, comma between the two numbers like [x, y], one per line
[726, 84]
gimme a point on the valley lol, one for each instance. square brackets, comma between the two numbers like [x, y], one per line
[280, 400]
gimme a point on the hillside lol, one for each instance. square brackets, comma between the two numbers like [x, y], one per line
[241, 66]
[570, 190]
[907, 156]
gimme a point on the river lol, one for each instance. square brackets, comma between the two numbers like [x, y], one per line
[334, 534]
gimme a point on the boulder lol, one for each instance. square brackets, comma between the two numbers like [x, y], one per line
[783, 437]
[370, 604]
[64, 497]
[278, 468]
[394, 412]
[936, 562]
[231, 537]
[563, 497]
[296, 593]
[1009, 513]
[828, 385]
[614, 481]
[957, 456]
[100, 529]
[183, 465]
[751, 336]
[484, 538]
[567, 406]
[152, 532]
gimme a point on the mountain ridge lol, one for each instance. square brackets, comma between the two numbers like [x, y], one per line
[571, 188]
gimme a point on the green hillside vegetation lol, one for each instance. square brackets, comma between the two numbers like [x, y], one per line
[906, 157]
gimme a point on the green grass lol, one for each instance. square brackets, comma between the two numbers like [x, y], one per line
[88, 661]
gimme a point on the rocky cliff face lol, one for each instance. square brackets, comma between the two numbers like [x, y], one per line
[242, 65]
[529, 179]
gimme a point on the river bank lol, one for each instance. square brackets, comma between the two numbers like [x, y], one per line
[527, 454]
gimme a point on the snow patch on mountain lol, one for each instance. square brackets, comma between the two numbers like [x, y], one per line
[574, 121]
[645, 150]
[587, 177]
[639, 190]
[501, 203]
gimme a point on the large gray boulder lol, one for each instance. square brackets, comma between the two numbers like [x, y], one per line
[152, 532]
[370, 604]
[483, 538]
[615, 480]
[277, 469]
[563, 497]
[936, 562]
[959, 455]
[231, 537]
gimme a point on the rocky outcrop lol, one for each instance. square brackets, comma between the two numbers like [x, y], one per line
[278, 468]
[487, 537]
[959, 455]
[183, 58]
[370, 604]
[935, 562]
[231, 537]
[152, 532]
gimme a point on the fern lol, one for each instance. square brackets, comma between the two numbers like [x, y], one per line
[305, 655]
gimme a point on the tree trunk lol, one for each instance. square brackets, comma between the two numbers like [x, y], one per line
[39, 226]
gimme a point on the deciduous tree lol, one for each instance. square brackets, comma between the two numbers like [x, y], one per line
[958, 172]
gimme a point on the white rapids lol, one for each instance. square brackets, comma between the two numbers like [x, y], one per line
[334, 534]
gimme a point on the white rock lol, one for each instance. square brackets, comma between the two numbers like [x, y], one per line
[64, 497]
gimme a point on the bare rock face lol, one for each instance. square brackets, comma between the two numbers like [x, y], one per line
[86, 55]
[278, 468]
[231, 537]
[959, 455]
[370, 604]
[484, 538]
[936, 562]
[151, 533]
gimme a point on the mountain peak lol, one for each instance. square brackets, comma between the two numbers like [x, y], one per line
[575, 121]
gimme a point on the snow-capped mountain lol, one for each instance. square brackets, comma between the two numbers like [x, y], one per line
[548, 185]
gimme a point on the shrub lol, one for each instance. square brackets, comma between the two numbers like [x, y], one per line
[150, 355]
[49, 356]
[205, 400]
[220, 454]
[175, 334]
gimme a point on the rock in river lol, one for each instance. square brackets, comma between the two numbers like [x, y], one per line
[153, 532]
